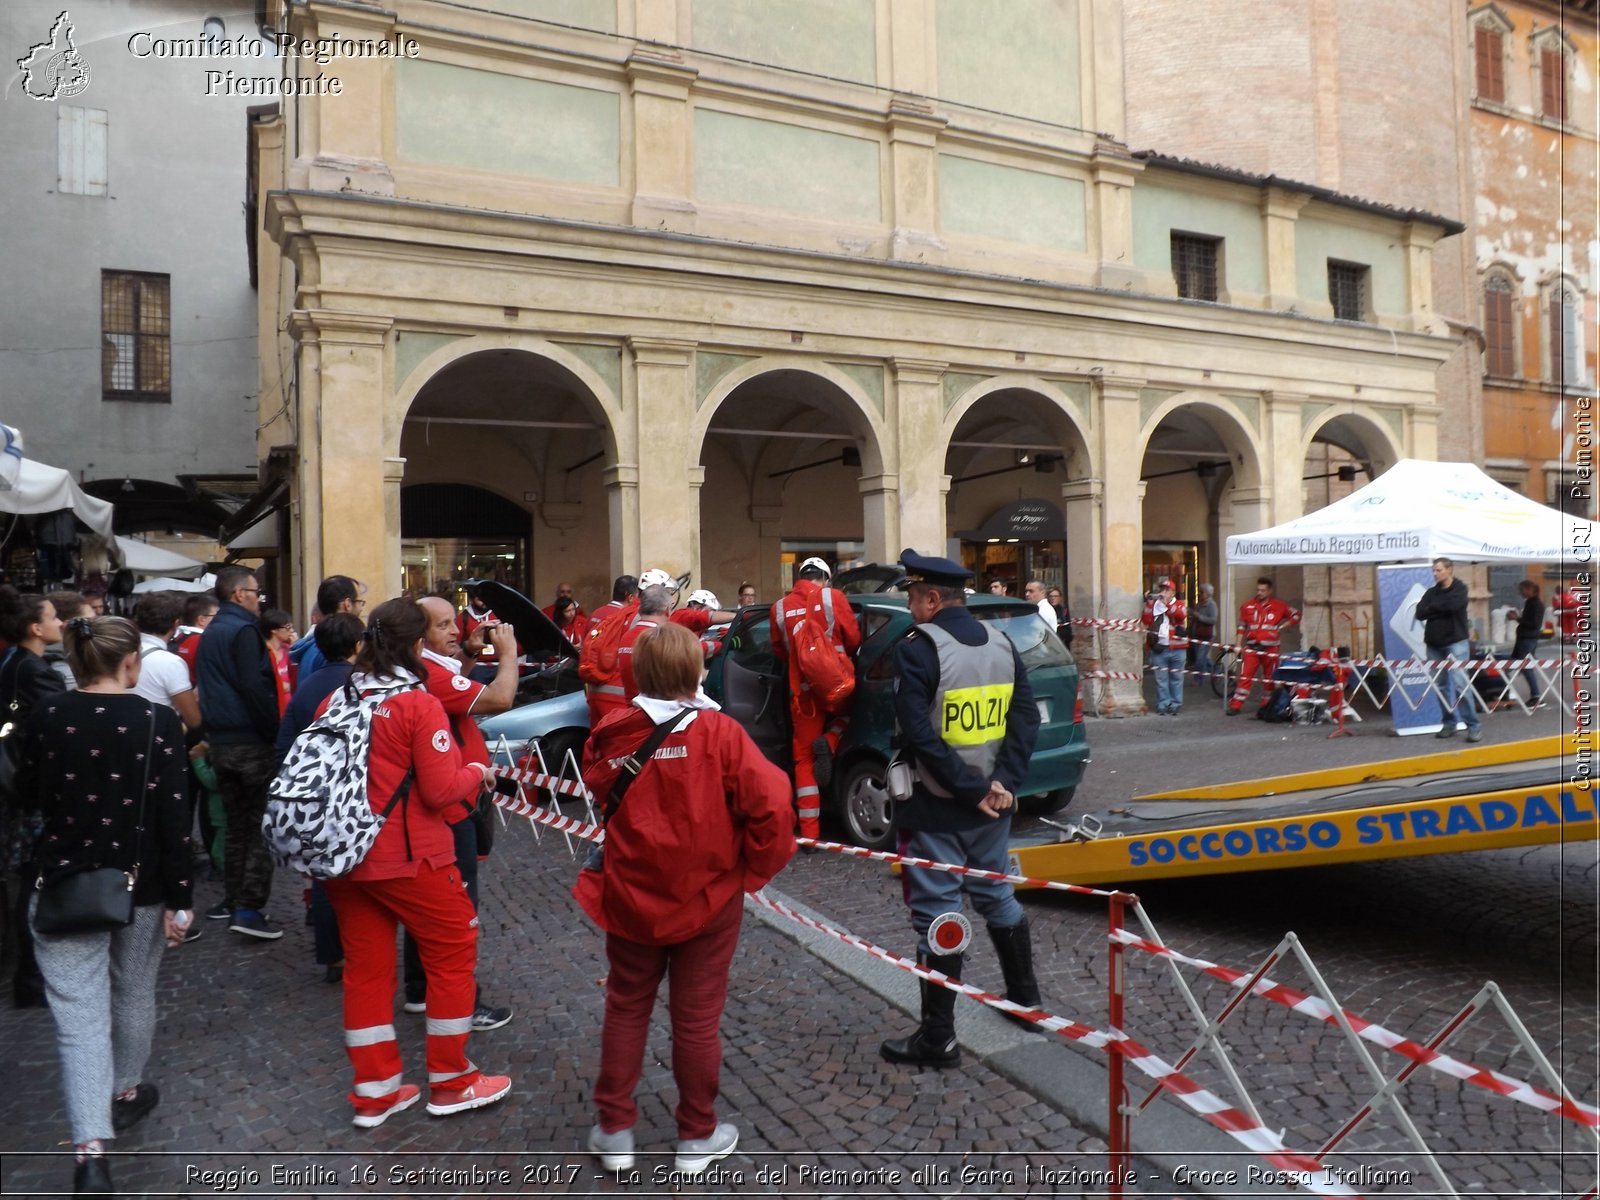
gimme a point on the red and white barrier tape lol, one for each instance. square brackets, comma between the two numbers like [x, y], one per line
[1316, 1007]
[1237, 1124]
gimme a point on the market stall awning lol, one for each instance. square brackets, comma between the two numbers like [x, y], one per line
[162, 584]
[1424, 510]
[144, 559]
[42, 489]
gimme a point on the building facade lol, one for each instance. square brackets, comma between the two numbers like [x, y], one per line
[1536, 249]
[582, 287]
[129, 351]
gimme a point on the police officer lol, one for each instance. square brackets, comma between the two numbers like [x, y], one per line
[968, 722]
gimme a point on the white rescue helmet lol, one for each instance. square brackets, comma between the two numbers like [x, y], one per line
[656, 577]
[704, 598]
[816, 564]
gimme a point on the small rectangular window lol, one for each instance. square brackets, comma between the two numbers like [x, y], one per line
[1347, 290]
[135, 336]
[81, 151]
[1489, 53]
[1194, 265]
[1553, 84]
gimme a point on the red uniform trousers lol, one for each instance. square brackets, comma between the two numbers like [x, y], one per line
[433, 905]
[697, 973]
[602, 705]
[809, 722]
[1257, 657]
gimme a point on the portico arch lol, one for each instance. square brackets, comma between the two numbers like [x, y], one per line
[790, 460]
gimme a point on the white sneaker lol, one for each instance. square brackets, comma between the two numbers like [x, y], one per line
[696, 1154]
[615, 1150]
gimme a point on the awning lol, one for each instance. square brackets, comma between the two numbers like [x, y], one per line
[263, 535]
[161, 584]
[144, 559]
[265, 502]
[42, 489]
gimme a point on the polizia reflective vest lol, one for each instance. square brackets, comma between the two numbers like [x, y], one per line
[973, 699]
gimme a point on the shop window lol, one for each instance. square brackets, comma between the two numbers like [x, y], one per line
[135, 336]
[1499, 325]
[1347, 290]
[1195, 265]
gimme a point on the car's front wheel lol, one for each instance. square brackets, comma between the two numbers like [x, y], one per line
[865, 805]
[1047, 803]
[556, 746]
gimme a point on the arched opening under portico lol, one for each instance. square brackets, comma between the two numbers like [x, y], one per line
[523, 434]
[1009, 453]
[783, 454]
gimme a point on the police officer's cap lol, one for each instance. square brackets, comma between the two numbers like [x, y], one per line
[941, 572]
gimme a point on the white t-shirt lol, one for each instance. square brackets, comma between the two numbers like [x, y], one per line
[1047, 613]
[162, 674]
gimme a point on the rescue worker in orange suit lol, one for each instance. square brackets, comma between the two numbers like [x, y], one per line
[606, 697]
[655, 607]
[816, 731]
[1262, 620]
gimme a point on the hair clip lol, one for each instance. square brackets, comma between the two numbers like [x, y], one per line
[375, 629]
[82, 627]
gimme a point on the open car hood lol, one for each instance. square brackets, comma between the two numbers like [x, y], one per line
[538, 633]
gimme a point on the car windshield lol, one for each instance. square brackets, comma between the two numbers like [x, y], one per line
[1035, 641]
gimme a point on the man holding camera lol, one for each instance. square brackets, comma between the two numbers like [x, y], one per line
[968, 721]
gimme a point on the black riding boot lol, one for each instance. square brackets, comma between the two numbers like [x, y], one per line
[934, 1042]
[1015, 949]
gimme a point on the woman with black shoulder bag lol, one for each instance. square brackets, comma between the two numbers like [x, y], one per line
[106, 768]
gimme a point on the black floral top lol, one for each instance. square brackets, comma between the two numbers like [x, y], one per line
[82, 766]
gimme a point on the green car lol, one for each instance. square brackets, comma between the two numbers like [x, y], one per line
[752, 687]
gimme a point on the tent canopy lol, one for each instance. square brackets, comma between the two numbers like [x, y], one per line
[1423, 510]
[42, 489]
[144, 559]
[204, 584]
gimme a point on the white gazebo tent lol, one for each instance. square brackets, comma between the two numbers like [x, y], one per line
[144, 559]
[1417, 511]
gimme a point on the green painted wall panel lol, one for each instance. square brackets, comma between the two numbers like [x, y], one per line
[768, 164]
[582, 14]
[837, 38]
[411, 347]
[1010, 203]
[709, 367]
[1012, 56]
[482, 120]
[1157, 211]
[1315, 242]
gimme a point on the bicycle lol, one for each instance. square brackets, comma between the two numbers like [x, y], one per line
[1225, 668]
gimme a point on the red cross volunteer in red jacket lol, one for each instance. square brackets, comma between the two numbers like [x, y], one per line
[705, 820]
[409, 877]
[816, 731]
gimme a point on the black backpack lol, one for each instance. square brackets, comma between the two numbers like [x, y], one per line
[1279, 710]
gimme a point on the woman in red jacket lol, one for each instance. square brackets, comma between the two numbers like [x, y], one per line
[707, 819]
[409, 877]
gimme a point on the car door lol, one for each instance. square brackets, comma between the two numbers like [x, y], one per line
[752, 686]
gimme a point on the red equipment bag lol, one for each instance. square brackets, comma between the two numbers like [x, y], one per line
[597, 658]
[819, 659]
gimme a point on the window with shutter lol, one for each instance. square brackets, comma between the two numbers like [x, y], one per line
[81, 151]
[1489, 47]
[135, 336]
[1500, 349]
[1553, 84]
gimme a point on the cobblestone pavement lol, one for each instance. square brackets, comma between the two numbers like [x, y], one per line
[1404, 943]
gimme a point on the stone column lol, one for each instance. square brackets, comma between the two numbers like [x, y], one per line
[348, 489]
[1283, 475]
[1419, 244]
[880, 517]
[661, 139]
[1122, 570]
[622, 508]
[917, 417]
[344, 133]
[768, 520]
[663, 410]
[1279, 211]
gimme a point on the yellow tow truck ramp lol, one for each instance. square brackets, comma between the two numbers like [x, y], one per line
[1477, 798]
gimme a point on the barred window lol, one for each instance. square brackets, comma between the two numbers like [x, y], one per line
[135, 336]
[1347, 290]
[1499, 327]
[1194, 265]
